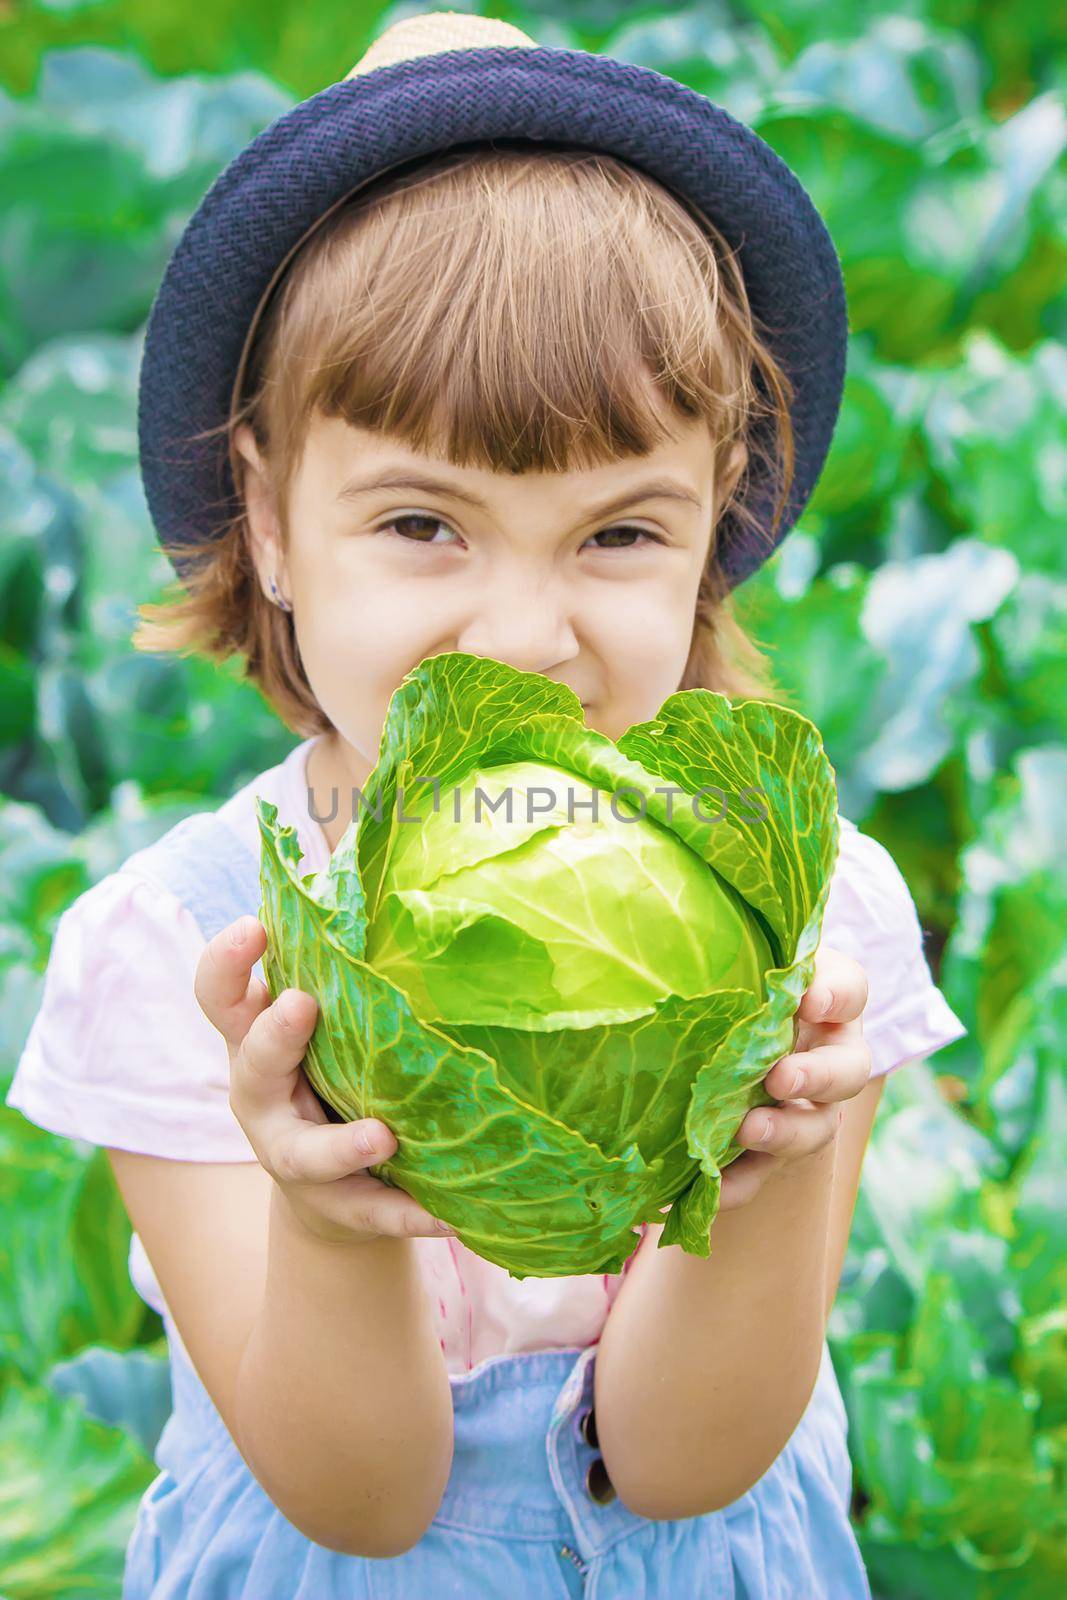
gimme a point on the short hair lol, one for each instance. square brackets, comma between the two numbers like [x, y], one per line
[510, 306]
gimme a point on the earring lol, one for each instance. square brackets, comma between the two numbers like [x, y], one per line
[282, 604]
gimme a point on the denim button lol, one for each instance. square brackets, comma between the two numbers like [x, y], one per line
[587, 1428]
[598, 1486]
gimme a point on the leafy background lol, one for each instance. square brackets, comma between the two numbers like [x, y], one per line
[918, 613]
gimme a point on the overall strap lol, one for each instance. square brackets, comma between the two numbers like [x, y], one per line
[207, 867]
[215, 876]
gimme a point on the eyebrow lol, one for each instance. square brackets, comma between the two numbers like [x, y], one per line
[412, 478]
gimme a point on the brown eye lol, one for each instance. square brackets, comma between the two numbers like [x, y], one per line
[414, 518]
[608, 533]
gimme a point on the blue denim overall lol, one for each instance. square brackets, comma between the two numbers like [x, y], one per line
[528, 1513]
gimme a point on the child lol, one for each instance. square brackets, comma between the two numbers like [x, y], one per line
[437, 402]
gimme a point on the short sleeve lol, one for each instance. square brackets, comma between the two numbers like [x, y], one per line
[871, 916]
[119, 1052]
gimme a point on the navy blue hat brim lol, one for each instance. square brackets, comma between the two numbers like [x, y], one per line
[263, 203]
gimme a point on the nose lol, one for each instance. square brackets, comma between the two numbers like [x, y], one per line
[524, 622]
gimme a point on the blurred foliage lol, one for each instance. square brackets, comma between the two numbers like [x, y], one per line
[918, 614]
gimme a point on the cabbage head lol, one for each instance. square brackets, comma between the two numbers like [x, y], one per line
[555, 965]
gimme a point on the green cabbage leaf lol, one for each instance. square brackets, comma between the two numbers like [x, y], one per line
[555, 965]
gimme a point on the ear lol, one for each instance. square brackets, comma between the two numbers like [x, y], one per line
[732, 468]
[264, 533]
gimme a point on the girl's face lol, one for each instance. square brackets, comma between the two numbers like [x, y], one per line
[588, 577]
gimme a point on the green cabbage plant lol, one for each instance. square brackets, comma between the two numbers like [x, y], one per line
[563, 1014]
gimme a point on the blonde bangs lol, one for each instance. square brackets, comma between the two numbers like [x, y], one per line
[509, 307]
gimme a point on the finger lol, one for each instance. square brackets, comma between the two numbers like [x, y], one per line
[743, 1179]
[396, 1213]
[797, 1129]
[224, 978]
[363, 1206]
[305, 1153]
[838, 992]
[830, 1072]
[264, 1071]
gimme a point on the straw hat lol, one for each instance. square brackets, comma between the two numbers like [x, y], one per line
[430, 82]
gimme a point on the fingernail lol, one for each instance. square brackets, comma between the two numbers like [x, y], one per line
[768, 1129]
[826, 1002]
[365, 1139]
[799, 1081]
[238, 933]
[443, 1227]
[289, 1007]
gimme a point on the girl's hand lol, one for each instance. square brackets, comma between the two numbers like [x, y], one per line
[831, 1062]
[319, 1165]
